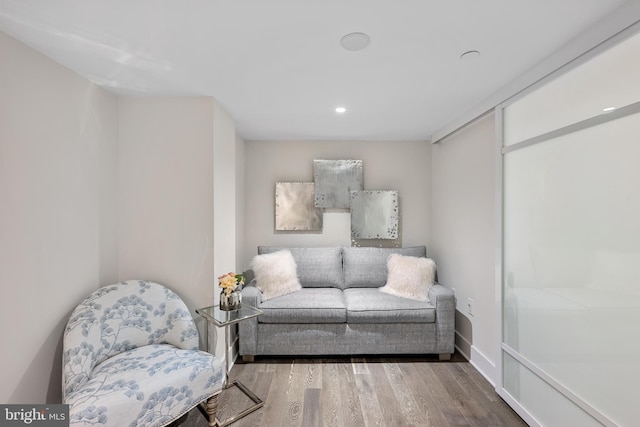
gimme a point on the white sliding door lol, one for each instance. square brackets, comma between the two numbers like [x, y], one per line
[571, 245]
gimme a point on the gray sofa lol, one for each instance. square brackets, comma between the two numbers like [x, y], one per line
[341, 311]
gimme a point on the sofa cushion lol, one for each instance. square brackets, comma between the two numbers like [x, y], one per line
[366, 305]
[309, 305]
[367, 267]
[275, 274]
[410, 276]
[316, 267]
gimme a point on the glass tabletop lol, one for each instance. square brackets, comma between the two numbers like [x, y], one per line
[223, 318]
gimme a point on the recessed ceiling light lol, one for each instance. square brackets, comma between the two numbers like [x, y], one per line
[355, 41]
[608, 109]
[470, 55]
[340, 110]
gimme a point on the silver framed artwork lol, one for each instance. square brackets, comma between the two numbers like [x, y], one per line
[334, 180]
[374, 214]
[295, 209]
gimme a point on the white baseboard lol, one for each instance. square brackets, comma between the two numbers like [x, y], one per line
[475, 357]
[483, 365]
[465, 355]
[232, 361]
[462, 349]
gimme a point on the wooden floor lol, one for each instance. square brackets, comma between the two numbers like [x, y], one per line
[371, 391]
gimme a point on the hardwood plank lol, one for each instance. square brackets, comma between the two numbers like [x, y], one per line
[392, 409]
[313, 373]
[477, 378]
[410, 406]
[352, 413]
[440, 396]
[359, 365]
[263, 366]
[295, 395]
[276, 405]
[471, 388]
[427, 398]
[312, 412]
[371, 399]
[475, 413]
[332, 415]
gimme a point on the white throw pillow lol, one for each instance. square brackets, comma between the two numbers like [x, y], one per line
[409, 277]
[276, 274]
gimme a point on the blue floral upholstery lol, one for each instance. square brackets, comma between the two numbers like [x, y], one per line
[131, 358]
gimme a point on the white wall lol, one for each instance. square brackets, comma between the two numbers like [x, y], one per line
[178, 196]
[240, 202]
[166, 194]
[463, 235]
[225, 195]
[391, 165]
[58, 215]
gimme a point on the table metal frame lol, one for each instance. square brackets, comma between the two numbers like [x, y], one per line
[221, 318]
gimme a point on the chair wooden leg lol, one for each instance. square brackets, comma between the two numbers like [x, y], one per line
[248, 358]
[444, 356]
[212, 408]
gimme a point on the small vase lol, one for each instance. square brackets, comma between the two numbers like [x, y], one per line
[229, 302]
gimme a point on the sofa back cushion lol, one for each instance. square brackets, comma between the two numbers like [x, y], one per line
[367, 267]
[316, 267]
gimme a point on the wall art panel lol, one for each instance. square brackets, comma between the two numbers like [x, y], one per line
[295, 209]
[374, 214]
[334, 180]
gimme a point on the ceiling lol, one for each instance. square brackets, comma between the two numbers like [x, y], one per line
[278, 68]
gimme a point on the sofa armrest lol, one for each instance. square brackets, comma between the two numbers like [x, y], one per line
[248, 329]
[445, 302]
[251, 295]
